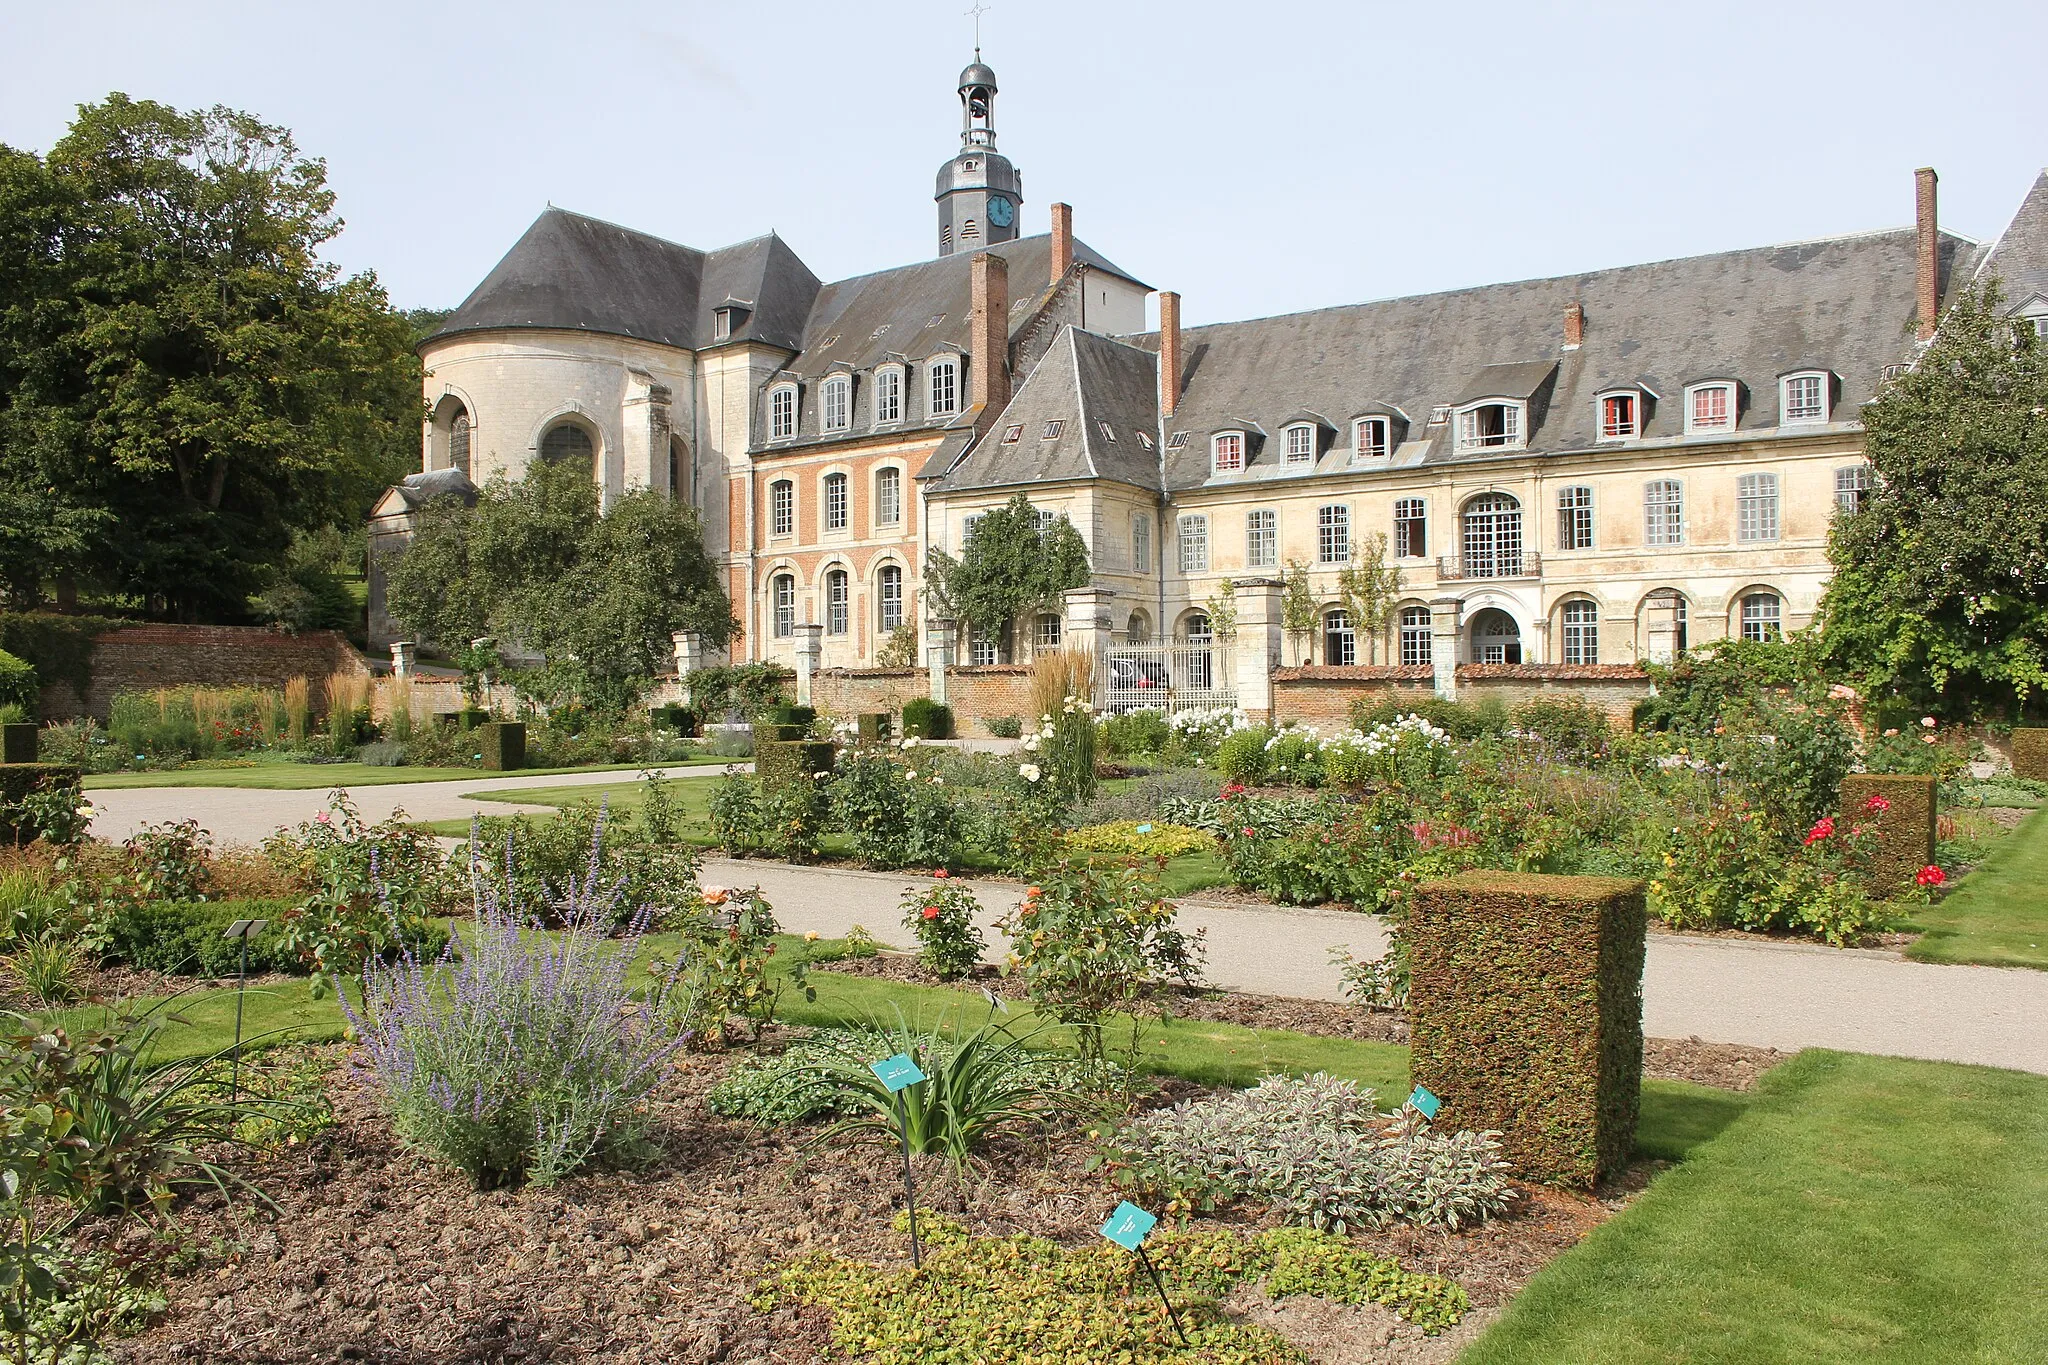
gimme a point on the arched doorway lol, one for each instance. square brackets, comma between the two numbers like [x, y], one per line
[1496, 639]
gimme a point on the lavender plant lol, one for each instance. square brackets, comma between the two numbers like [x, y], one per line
[520, 1054]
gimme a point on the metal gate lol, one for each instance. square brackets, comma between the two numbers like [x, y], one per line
[1175, 676]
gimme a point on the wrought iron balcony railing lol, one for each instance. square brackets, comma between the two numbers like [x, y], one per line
[1507, 564]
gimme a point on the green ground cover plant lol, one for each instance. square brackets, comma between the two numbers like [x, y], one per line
[1998, 914]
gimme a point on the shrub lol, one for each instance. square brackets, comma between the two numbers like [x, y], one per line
[1003, 727]
[741, 690]
[1139, 731]
[41, 801]
[1241, 757]
[1460, 720]
[383, 753]
[781, 761]
[723, 970]
[897, 815]
[1526, 1015]
[1728, 870]
[18, 685]
[1788, 760]
[544, 861]
[1905, 825]
[793, 818]
[171, 860]
[504, 745]
[1193, 734]
[1062, 748]
[735, 812]
[183, 938]
[1139, 839]
[2030, 754]
[1572, 725]
[942, 918]
[924, 718]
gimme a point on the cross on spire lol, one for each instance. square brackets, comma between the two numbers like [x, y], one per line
[975, 14]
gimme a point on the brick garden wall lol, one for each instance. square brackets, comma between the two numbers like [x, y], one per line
[137, 658]
[973, 692]
[1321, 695]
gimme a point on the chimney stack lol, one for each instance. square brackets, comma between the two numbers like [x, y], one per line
[1927, 253]
[989, 333]
[1574, 326]
[1062, 240]
[1169, 353]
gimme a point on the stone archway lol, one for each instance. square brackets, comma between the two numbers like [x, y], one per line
[1495, 637]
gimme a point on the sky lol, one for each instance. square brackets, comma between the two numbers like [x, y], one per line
[1260, 159]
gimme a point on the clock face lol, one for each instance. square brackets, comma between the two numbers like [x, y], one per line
[1000, 210]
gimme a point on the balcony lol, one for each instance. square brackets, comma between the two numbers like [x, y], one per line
[1503, 564]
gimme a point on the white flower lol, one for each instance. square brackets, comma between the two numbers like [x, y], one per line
[1031, 744]
[1927, 721]
[910, 743]
[938, 782]
[1029, 772]
[910, 776]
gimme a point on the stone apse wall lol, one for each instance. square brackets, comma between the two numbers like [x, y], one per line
[144, 657]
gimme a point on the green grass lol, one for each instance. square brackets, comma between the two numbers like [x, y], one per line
[203, 1021]
[307, 776]
[1860, 1209]
[1998, 914]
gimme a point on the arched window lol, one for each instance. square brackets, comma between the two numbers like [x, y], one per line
[838, 600]
[1200, 667]
[837, 512]
[1762, 616]
[1415, 637]
[782, 596]
[1496, 639]
[1370, 438]
[782, 508]
[1340, 642]
[1227, 451]
[1196, 629]
[835, 401]
[458, 442]
[1301, 445]
[782, 412]
[890, 592]
[567, 441]
[888, 395]
[682, 484]
[1581, 632]
[944, 378]
[1045, 632]
[1493, 537]
[1138, 630]
[888, 496]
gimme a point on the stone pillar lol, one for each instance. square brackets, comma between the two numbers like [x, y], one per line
[645, 456]
[938, 654]
[810, 647]
[1539, 637]
[1259, 641]
[689, 648]
[1445, 618]
[1088, 620]
[402, 658]
[1660, 618]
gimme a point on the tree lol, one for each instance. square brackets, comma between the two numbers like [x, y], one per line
[1369, 588]
[1298, 606]
[1011, 564]
[598, 596]
[1940, 594]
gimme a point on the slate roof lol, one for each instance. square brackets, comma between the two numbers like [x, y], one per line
[417, 490]
[2019, 258]
[1085, 383]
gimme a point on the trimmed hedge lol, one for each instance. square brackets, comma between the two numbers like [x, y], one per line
[873, 726]
[779, 761]
[680, 719]
[1905, 835]
[2030, 754]
[18, 743]
[183, 938]
[17, 780]
[924, 718]
[1525, 1015]
[503, 743]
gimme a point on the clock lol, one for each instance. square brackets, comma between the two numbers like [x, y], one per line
[1000, 211]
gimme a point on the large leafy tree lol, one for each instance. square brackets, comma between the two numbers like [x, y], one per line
[1011, 564]
[535, 564]
[1940, 592]
[184, 382]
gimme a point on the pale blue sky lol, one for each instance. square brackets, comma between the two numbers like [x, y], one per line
[1259, 158]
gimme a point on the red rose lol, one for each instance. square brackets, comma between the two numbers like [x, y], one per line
[1877, 805]
[1823, 828]
[942, 874]
[931, 912]
[1930, 875]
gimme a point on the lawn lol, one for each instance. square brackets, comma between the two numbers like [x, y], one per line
[1998, 915]
[1860, 1209]
[307, 776]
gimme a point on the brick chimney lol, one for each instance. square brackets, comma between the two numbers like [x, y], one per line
[989, 333]
[1574, 326]
[1062, 240]
[1926, 253]
[1169, 353]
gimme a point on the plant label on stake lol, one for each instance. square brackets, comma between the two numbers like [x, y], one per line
[1424, 1103]
[243, 929]
[1127, 1227]
[898, 1074]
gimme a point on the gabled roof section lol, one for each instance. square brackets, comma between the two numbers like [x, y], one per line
[2019, 258]
[1517, 379]
[1084, 381]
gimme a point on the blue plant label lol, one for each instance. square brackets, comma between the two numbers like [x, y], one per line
[896, 1072]
[1144, 829]
[1128, 1225]
[1425, 1103]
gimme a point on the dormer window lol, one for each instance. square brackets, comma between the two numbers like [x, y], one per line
[888, 395]
[1709, 407]
[944, 387]
[1177, 440]
[1108, 432]
[1371, 438]
[1052, 429]
[835, 402]
[1013, 433]
[1301, 445]
[721, 325]
[1490, 426]
[781, 412]
[729, 317]
[1621, 415]
[1439, 414]
[1145, 439]
[1227, 452]
[1803, 397]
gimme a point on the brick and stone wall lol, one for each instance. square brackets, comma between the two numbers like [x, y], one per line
[138, 658]
[974, 693]
[1321, 695]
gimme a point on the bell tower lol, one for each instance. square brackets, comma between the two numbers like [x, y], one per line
[980, 194]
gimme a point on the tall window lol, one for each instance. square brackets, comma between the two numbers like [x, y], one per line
[1761, 616]
[967, 525]
[835, 401]
[835, 502]
[1756, 507]
[1618, 417]
[1581, 633]
[458, 442]
[888, 395]
[1411, 528]
[1194, 544]
[983, 649]
[1710, 407]
[1803, 398]
[1262, 539]
[1301, 445]
[1370, 438]
[838, 600]
[781, 413]
[890, 584]
[783, 589]
[1333, 534]
[1490, 424]
[1575, 518]
[1229, 451]
[888, 496]
[1493, 537]
[1141, 542]
[1340, 642]
[782, 508]
[1045, 632]
[1415, 637]
[566, 441]
[1852, 485]
[1663, 512]
[945, 387]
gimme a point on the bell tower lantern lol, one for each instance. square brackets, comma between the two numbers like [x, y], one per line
[980, 194]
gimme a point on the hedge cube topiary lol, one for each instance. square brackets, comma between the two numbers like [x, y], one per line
[1905, 832]
[2030, 754]
[1526, 1015]
[778, 761]
[18, 742]
[874, 727]
[503, 743]
[924, 718]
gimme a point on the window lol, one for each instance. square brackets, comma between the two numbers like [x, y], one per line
[1262, 539]
[1761, 613]
[1852, 483]
[1581, 633]
[1145, 439]
[1340, 642]
[891, 595]
[1333, 534]
[784, 597]
[1108, 432]
[1489, 426]
[1042, 519]
[782, 508]
[835, 502]
[1301, 445]
[1710, 407]
[1045, 632]
[1415, 637]
[836, 397]
[1411, 528]
[888, 395]
[1493, 537]
[837, 599]
[1756, 507]
[1439, 414]
[1052, 430]
[458, 442]
[782, 412]
[721, 324]
[1803, 398]
[983, 650]
[1663, 512]
[944, 376]
[968, 524]
[970, 231]
[1138, 630]
[1370, 438]
[1228, 452]
[1141, 543]
[1620, 416]
[566, 441]
[888, 496]
[1013, 433]
[1194, 544]
[1177, 440]
[1575, 518]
